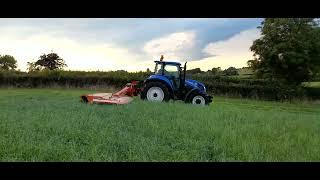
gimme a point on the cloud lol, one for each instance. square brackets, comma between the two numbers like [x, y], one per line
[231, 52]
[238, 44]
[129, 44]
[173, 46]
[77, 55]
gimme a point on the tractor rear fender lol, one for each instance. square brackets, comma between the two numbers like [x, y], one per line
[161, 78]
[163, 81]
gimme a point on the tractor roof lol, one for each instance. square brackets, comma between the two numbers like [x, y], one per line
[169, 62]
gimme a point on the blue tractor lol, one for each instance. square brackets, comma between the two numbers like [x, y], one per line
[169, 82]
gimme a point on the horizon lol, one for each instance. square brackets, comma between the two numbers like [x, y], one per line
[130, 44]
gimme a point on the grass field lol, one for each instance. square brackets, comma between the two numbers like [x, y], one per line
[52, 125]
[312, 84]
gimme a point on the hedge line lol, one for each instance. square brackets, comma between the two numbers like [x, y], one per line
[216, 85]
[68, 78]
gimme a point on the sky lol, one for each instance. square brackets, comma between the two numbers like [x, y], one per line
[131, 44]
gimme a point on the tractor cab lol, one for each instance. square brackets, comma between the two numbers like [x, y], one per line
[171, 70]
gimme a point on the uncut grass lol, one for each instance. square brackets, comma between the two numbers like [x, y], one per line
[52, 125]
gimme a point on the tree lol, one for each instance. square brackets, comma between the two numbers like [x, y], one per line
[194, 71]
[7, 62]
[216, 71]
[288, 50]
[50, 61]
[33, 67]
[231, 71]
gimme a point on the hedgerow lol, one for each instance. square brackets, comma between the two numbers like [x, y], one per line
[216, 85]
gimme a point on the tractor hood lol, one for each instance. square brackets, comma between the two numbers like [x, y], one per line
[195, 84]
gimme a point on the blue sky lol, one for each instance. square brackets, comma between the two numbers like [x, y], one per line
[130, 44]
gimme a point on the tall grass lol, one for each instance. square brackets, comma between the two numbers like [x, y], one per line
[52, 125]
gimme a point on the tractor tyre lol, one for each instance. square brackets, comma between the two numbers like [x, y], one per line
[155, 91]
[197, 99]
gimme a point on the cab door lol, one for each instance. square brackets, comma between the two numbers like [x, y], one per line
[172, 72]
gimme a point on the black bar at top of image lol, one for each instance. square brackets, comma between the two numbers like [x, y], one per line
[158, 9]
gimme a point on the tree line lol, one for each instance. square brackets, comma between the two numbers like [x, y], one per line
[53, 61]
[231, 71]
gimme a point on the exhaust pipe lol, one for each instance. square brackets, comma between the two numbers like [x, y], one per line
[184, 72]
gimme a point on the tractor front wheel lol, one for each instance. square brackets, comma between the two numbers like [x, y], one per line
[155, 91]
[197, 99]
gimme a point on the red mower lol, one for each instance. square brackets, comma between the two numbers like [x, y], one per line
[124, 96]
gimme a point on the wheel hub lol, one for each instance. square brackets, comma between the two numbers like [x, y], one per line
[198, 100]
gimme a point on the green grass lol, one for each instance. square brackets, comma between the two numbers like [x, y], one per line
[52, 125]
[312, 84]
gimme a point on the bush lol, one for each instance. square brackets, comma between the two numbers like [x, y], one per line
[231, 71]
[250, 88]
[68, 78]
[313, 92]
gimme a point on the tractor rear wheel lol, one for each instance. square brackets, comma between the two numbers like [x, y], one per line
[155, 91]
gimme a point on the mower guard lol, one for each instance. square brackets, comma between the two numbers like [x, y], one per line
[124, 96]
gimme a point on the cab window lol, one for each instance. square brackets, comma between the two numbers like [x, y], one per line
[158, 69]
[171, 70]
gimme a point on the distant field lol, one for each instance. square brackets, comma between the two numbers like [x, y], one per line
[52, 125]
[312, 84]
[245, 73]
